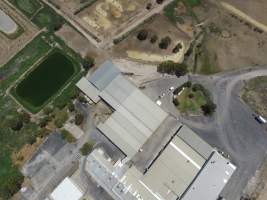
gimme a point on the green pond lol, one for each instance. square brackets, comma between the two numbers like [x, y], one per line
[45, 80]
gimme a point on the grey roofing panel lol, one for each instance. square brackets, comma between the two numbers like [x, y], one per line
[212, 179]
[145, 110]
[88, 89]
[119, 137]
[192, 139]
[120, 88]
[129, 127]
[104, 75]
[174, 169]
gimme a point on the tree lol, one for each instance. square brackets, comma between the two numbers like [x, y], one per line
[71, 107]
[25, 117]
[88, 62]
[165, 42]
[44, 121]
[177, 48]
[159, 1]
[142, 35]
[209, 108]
[198, 87]
[153, 39]
[171, 67]
[82, 99]
[43, 132]
[16, 124]
[79, 119]
[86, 148]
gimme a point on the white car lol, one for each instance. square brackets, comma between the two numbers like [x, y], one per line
[171, 88]
[159, 102]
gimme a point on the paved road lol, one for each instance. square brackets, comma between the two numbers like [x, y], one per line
[232, 129]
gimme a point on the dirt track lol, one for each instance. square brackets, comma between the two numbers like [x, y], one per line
[244, 16]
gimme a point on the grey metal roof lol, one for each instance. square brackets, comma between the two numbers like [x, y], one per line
[135, 119]
[192, 139]
[174, 170]
[104, 75]
[211, 180]
[88, 89]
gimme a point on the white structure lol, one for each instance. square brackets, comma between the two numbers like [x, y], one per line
[66, 190]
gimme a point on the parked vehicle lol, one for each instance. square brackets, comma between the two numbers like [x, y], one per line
[260, 119]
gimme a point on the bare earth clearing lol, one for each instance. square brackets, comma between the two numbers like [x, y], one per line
[232, 42]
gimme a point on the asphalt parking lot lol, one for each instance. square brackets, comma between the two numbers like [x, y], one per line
[232, 129]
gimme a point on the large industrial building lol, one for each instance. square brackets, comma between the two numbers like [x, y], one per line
[185, 167]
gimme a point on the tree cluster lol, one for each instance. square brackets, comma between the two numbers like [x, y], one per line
[170, 67]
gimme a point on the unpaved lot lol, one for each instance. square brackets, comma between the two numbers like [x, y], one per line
[146, 51]
[9, 47]
[256, 9]
[229, 42]
[79, 44]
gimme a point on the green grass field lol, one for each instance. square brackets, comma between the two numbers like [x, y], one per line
[28, 7]
[46, 17]
[45, 81]
[191, 105]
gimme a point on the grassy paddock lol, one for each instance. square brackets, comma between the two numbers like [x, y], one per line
[22, 61]
[27, 7]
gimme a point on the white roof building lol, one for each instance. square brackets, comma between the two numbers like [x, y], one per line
[66, 190]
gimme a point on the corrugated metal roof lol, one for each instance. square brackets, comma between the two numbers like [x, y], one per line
[192, 139]
[88, 89]
[212, 179]
[105, 73]
[135, 119]
[174, 170]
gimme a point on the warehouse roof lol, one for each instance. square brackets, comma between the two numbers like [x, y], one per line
[193, 140]
[66, 190]
[135, 119]
[104, 74]
[174, 170]
[211, 180]
[88, 89]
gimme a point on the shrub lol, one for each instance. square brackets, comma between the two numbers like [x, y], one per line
[190, 95]
[79, 119]
[176, 102]
[86, 148]
[142, 35]
[153, 39]
[48, 110]
[66, 135]
[60, 118]
[165, 42]
[25, 117]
